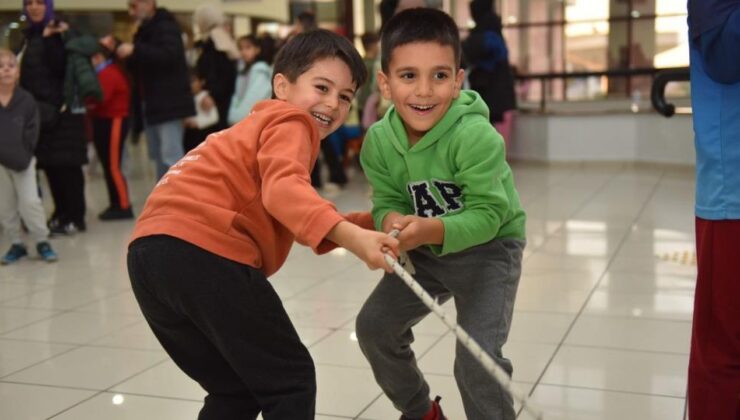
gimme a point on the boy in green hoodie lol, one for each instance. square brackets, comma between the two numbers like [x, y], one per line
[438, 173]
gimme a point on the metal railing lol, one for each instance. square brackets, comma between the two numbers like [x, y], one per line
[657, 91]
[546, 78]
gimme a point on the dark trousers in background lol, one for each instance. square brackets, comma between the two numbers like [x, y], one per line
[109, 136]
[334, 161]
[714, 363]
[225, 327]
[67, 185]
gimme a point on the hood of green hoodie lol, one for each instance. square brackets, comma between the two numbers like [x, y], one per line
[468, 103]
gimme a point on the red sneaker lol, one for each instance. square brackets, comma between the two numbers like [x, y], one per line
[434, 414]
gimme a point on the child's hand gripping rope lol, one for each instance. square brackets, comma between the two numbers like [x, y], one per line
[495, 371]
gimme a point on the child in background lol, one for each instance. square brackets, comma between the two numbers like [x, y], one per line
[19, 194]
[224, 218]
[253, 80]
[371, 45]
[110, 128]
[205, 121]
[438, 173]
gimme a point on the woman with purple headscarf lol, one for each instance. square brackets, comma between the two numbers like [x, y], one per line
[61, 149]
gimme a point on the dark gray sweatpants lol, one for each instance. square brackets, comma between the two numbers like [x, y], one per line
[483, 281]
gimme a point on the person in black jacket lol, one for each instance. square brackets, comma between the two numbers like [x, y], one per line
[488, 57]
[157, 63]
[217, 60]
[61, 149]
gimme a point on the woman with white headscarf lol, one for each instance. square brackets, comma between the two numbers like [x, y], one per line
[217, 60]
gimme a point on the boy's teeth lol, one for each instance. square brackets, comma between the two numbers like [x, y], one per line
[422, 107]
[322, 118]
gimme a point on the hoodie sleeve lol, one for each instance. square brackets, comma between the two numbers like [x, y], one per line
[481, 171]
[285, 161]
[386, 196]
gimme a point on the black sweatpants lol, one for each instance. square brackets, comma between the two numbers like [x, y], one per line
[67, 185]
[109, 136]
[225, 327]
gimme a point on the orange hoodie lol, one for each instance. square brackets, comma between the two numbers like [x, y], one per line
[245, 193]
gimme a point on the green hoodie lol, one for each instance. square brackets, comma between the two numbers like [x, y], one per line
[456, 172]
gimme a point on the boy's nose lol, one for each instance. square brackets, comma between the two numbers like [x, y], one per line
[423, 88]
[332, 102]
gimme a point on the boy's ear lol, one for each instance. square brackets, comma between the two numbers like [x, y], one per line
[384, 85]
[459, 79]
[280, 85]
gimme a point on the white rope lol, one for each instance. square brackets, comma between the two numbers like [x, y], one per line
[494, 370]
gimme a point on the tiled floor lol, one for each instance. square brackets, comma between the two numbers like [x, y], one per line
[601, 327]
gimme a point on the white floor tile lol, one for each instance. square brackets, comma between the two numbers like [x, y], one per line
[110, 406]
[16, 355]
[666, 305]
[342, 349]
[137, 336]
[18, 401]
[344, 391]
[74, 327]
[122, 303]
[319, 314]
[62, 297]
[539, 327]
[563, 403]
[625, 281]
[13, 318]
[631, 334]
[619, 370]
[163, 380]
[89, 368]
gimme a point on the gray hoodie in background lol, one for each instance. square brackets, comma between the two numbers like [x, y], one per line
[19, 130]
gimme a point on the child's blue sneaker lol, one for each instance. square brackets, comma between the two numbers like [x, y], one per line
[46, 252]
[15, 253]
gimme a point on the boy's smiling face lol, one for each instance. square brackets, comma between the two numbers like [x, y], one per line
[422, 81]
[325, 91]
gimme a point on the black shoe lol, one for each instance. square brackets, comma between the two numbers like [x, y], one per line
[53, 223]
[66, 229]
[80, 226]
[115, 213]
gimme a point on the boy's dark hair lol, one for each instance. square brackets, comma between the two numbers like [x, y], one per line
[419, 25]
[303, 50]
[368, 39]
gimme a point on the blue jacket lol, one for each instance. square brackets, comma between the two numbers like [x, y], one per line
[715, 97]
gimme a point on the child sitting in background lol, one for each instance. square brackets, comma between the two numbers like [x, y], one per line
[204, 122]
[253, 80]
[19, 196]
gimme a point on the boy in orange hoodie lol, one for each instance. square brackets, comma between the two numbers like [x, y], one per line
[223, 219]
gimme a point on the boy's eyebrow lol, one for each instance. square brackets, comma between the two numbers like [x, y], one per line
[331, 82]
[412, 68]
